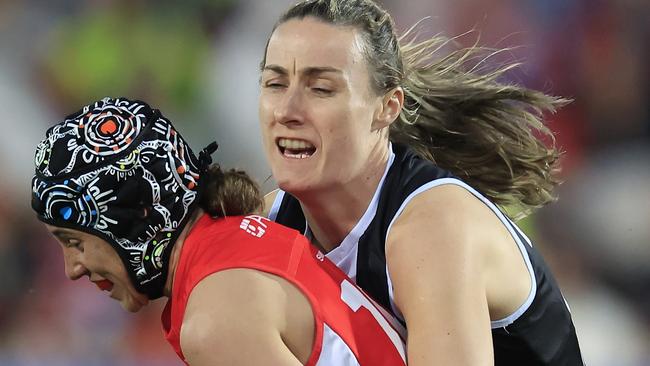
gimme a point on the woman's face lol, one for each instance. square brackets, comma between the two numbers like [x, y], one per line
[316, 106]
[88, 255]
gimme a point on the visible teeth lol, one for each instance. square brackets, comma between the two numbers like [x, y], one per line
[296, 156]
[294, 144]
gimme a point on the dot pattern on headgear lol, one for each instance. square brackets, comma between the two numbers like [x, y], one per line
[118, 169]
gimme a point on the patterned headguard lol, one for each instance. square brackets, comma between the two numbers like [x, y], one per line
[119, 170]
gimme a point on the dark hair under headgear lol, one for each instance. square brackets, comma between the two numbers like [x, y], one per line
[119, 170]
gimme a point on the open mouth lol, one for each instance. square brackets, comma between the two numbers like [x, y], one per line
[295, 149]
[104, 285]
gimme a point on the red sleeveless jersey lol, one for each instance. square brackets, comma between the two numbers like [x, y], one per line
[350, 329]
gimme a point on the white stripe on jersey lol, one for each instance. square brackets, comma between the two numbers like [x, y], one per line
[334, 351]
[273, 212]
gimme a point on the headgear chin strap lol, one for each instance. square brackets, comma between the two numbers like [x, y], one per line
[119, 170]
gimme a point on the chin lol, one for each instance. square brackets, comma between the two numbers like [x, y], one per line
[296, 185]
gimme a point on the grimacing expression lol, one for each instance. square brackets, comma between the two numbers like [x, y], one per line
[317, 107]
[88, 255]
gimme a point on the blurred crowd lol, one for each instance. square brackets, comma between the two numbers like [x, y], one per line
[198, 61]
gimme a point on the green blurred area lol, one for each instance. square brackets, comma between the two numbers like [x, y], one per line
[156, 53]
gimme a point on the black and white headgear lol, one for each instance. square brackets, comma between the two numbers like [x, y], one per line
[119, 170]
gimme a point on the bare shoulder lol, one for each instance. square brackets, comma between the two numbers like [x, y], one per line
[228, 312]
[269, 198]
[449, 223]
[449, 219]
[450, 207]
[444, 229]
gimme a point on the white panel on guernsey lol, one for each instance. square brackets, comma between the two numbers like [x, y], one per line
[273, 212]
[335, 352]
[347, 262]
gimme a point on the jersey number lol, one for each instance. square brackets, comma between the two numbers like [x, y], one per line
[355, 299]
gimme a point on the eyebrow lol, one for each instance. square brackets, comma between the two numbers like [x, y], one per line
[61, 233]
[308, 71]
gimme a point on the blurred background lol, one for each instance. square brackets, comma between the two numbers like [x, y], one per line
[198, 62]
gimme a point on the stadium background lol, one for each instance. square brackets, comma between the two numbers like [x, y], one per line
[198, 61]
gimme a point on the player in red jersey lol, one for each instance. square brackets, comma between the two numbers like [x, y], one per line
[142, 217]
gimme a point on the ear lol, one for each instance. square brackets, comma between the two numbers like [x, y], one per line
[390, 108]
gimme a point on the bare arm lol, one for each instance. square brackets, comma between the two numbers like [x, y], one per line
[236, 317]
[434, 256]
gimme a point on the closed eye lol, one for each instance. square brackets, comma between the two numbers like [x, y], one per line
[74, 243]
[274, 82]
[322, 91]
[68, 239]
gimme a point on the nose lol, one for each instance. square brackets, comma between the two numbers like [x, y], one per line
[289, 111]
[74, 269]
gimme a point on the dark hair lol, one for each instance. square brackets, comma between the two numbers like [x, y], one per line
[486, 132]
[229, 193]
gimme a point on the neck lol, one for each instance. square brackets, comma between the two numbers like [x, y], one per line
[176, 251]
[333, 212]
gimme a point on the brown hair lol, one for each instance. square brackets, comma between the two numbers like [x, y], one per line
[229, 193]
[488, 133]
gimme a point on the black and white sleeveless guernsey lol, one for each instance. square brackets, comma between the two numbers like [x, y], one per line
[540, 332]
